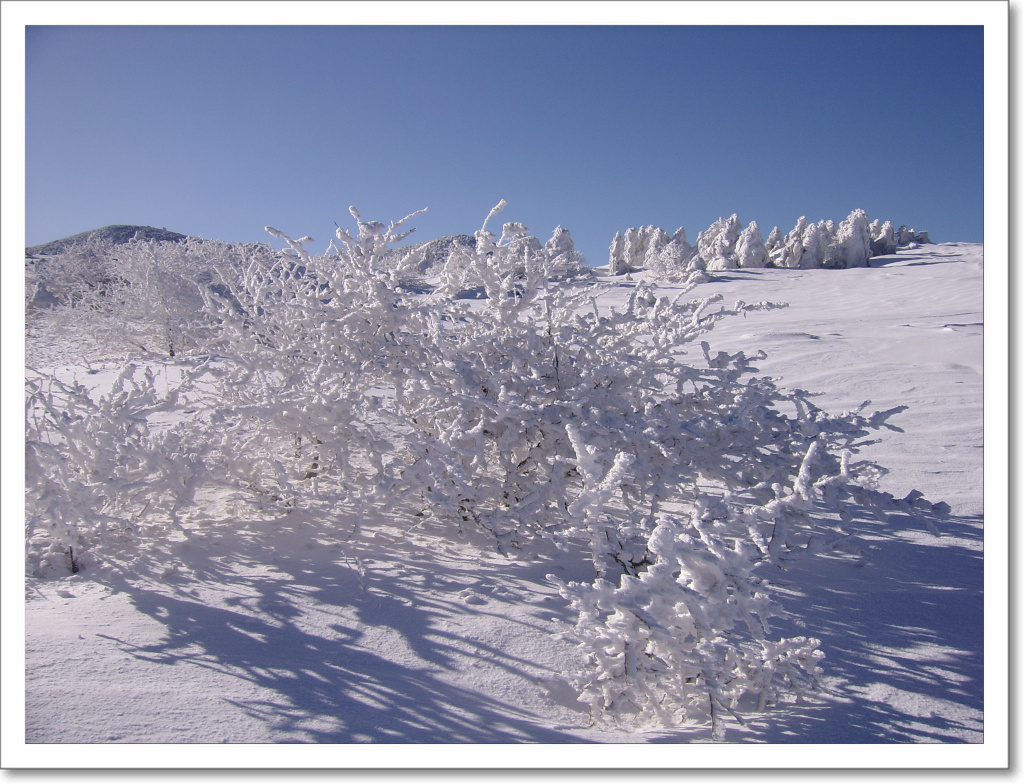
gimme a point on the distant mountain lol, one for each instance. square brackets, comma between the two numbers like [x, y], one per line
[433, 253]
[118, 235]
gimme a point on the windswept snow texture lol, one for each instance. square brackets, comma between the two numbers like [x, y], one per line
[379, 630]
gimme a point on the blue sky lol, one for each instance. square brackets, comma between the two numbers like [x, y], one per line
[218, 131]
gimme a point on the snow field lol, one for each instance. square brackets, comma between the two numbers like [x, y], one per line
[284, 629]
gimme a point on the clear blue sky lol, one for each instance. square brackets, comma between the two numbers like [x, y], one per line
[218, 131]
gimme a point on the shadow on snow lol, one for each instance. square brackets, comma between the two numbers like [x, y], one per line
[296, 633]
[902, 636]
[903, 641]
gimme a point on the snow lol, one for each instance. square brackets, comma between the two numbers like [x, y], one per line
[379, 630]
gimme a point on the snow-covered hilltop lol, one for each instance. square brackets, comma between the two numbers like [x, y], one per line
[113, 235]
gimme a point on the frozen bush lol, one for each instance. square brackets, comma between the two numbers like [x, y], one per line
[99, 476]
[152, 297]
[684, 636]
[686, 640]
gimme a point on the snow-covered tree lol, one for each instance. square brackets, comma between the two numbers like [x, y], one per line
[679, 240]
[789, 252]
[883, 238]
[635, 247]
[853, 240]
[750, 248]
[617, 256]
[677, 261]
[905, 236]
[833, 253]
[818, 246]
[726, 245]
[648, 247]
[562, 259]
[657, 240]
[717, 244]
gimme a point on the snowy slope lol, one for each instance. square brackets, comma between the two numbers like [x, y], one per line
[379, 630]
[117, 235]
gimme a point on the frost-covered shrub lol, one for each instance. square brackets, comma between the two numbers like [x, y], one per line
[687, 639]
[99, 475]
[492, 426]
[81, 274]
[164, 289]
[151, 297]
[474, 424]
[301, 361]
[684, 635]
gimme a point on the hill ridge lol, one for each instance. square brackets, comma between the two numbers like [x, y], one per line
[117, 233]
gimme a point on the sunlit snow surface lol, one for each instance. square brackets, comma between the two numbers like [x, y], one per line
[290, 630]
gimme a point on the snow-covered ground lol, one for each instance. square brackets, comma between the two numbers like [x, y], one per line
[382, 631]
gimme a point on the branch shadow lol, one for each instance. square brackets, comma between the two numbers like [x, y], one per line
[295, 625]
[902, 636]
[329, 653]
